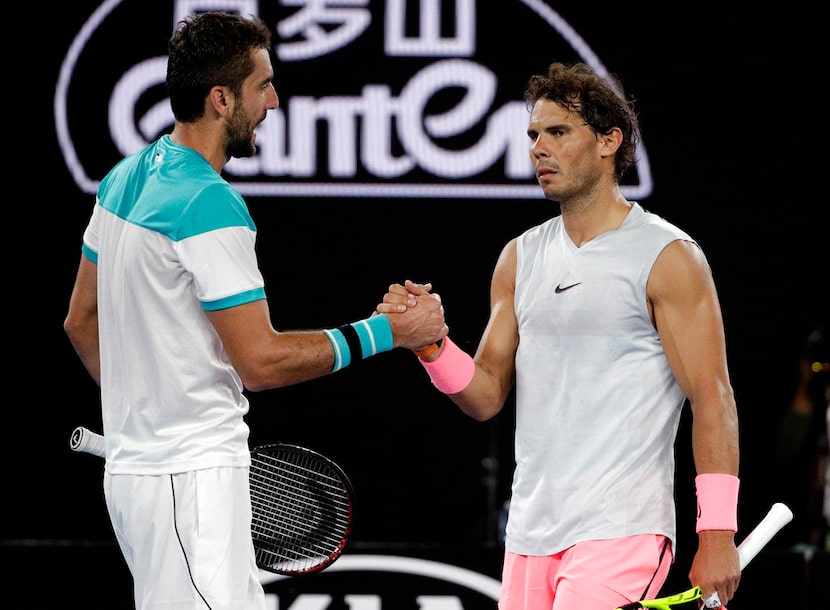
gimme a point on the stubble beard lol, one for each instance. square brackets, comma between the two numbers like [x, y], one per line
[240, 137]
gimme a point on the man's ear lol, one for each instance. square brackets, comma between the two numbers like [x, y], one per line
[611, 141]
[221, 100]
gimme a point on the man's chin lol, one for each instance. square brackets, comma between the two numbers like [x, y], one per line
[238, 153]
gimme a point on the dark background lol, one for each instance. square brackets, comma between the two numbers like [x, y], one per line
[730, 115]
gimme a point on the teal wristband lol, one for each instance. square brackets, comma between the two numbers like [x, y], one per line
[342, 353]
[375, 335]
[370, 337]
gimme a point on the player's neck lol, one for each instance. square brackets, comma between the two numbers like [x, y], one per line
[203, 140]
[587, 218]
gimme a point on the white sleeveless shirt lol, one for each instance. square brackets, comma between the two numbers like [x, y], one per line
[597, 407]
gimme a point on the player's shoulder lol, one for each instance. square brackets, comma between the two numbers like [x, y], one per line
[643, 219]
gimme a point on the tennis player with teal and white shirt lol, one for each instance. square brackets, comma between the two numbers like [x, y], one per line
[169, 315]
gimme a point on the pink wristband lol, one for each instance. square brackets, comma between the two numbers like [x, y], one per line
[717, 502]
[453, 370]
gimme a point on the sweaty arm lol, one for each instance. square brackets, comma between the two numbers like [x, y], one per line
[493, 373]
[265, 358]
[81, 322]
[496, 354]
[686, 312]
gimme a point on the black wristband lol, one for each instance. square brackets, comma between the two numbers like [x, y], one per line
[353, 341]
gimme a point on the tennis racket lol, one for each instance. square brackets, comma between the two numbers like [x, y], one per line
[777, 517]
[302, 504]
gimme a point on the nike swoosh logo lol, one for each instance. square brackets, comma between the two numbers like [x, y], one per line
[561, 288]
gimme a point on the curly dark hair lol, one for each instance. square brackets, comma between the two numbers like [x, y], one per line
[209, 49]
[601, 102]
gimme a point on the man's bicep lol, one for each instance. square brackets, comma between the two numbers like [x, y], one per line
[497, 349]
[243, 329]
[687, 315]
[84, 298]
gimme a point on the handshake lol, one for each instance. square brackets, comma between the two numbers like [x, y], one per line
[415, 314]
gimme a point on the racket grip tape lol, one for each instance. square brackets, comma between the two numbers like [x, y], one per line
[84, 440]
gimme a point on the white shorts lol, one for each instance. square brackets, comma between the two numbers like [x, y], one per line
[186, 539]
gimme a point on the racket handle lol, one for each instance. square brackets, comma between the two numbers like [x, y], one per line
[777, 517]
[87, 441]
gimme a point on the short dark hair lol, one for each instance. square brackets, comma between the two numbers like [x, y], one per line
[600, 101]
[209, 49]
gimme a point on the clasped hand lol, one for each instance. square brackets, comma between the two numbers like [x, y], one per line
[415, 314]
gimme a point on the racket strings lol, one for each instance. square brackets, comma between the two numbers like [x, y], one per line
[301, 510]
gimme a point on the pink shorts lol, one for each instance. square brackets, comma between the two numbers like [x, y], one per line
[592, 575]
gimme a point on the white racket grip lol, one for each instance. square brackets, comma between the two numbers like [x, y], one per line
[777, 517]
[87, 441]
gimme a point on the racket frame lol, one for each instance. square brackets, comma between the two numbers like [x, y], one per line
[278, 516]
